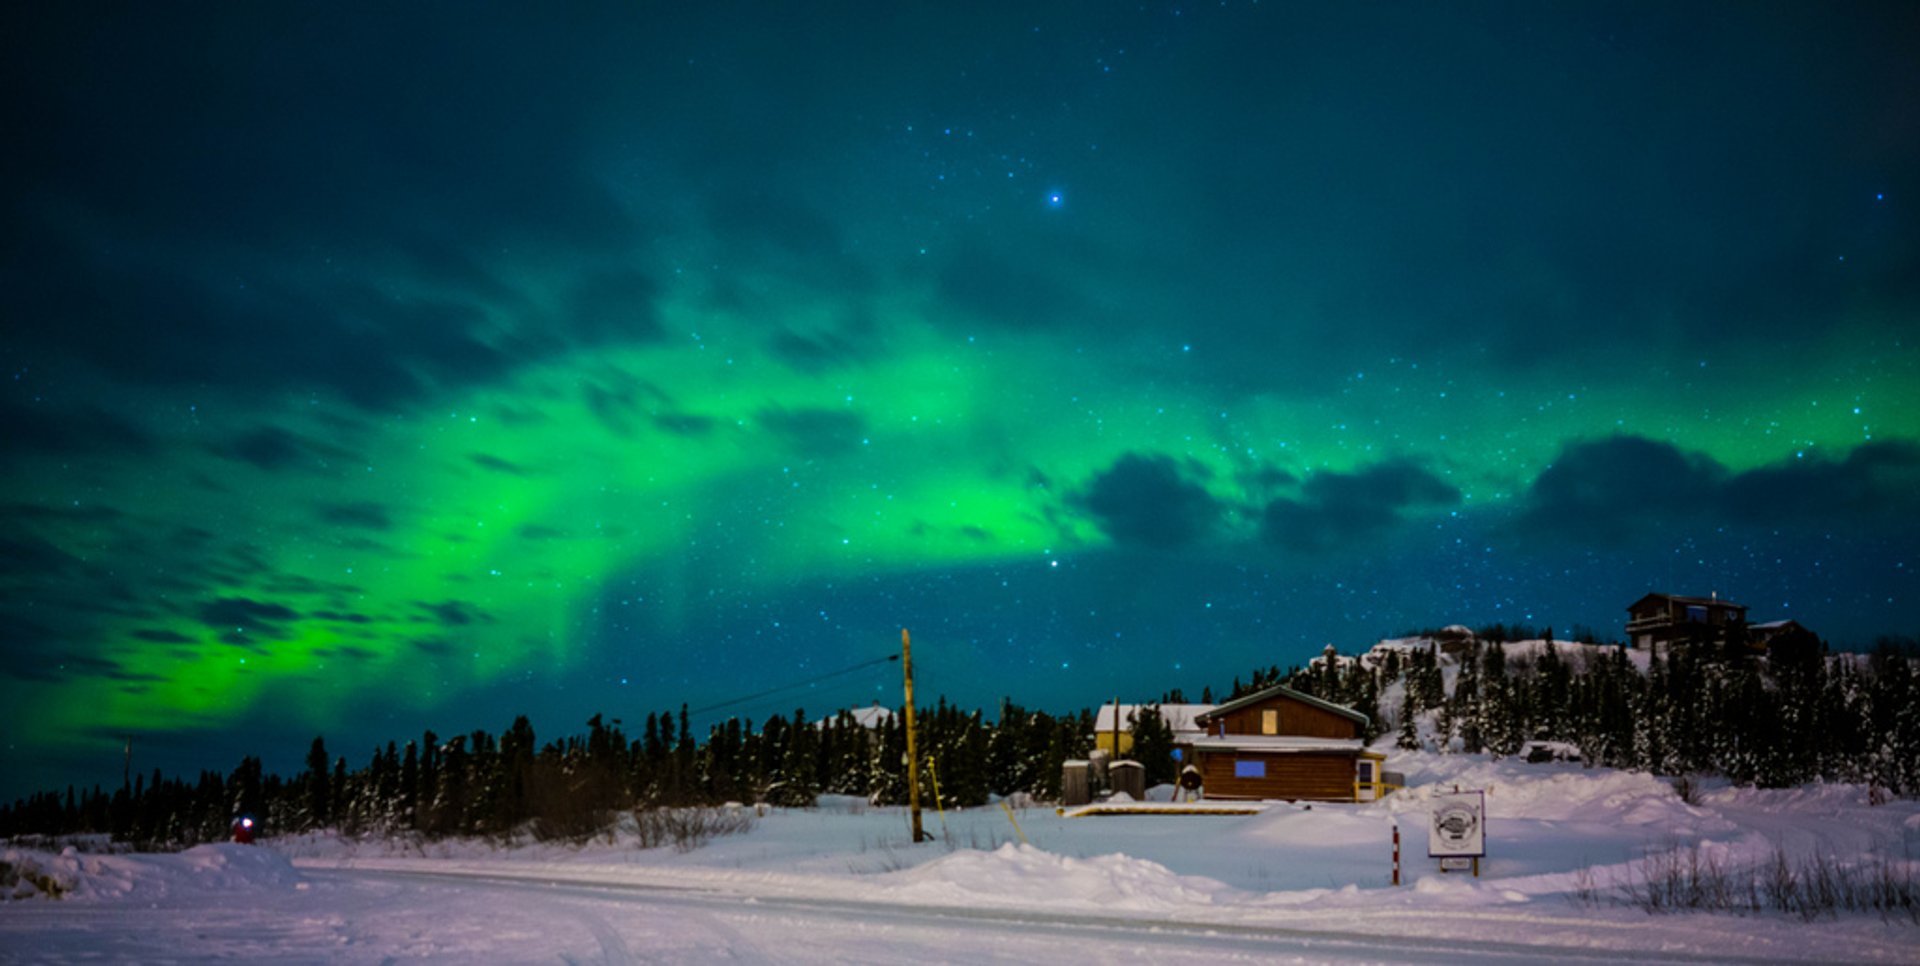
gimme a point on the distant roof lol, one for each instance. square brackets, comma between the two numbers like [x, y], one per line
[1282, 691]
[1179, 717]
[1774, 625]
[1707, 601]
[869, 717]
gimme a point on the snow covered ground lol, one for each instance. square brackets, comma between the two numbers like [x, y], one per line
[842, 883]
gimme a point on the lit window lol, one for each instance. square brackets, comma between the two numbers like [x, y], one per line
[1250, 769]
[1270, 722]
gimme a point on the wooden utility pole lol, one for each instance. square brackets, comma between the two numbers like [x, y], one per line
[913, 757]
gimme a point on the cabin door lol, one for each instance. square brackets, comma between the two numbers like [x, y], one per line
[1366, 776]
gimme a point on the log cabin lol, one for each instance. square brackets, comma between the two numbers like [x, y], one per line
[1280, 744]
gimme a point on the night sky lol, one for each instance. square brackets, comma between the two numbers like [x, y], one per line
[370, 371]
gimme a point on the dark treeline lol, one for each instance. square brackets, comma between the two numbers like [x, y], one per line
[1794, 715]
[481, 784]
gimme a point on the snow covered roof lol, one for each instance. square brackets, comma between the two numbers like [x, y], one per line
[1774, 625]
[1275, 743]
[1179, 717]
[1281, 690]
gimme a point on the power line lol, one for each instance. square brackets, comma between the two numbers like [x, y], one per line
[795, 685]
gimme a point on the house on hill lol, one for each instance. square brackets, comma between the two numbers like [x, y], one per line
[1281, 744]
[1762, 635]
[1657, 620]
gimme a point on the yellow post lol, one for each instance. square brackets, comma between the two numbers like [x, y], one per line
[934, 773]
[913, 760]
[1016, 822]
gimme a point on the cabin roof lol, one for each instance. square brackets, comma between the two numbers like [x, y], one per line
[1281, 691]
[1276, 743]
[1683, 599]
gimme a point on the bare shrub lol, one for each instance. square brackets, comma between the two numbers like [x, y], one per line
[1688, 788]
[1585, 891]
[1692, 880]
[687, 829]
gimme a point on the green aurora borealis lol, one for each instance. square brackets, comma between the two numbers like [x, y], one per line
[413, 370]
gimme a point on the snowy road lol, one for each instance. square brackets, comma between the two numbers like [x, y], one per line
[787, 928]
[377, 916]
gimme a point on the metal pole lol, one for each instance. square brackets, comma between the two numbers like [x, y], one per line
[1396, 855]
[913, 759]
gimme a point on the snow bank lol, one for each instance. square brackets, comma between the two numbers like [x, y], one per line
[1021, 875]
[71, 874]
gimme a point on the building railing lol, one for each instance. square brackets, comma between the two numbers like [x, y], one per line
[1389, 782]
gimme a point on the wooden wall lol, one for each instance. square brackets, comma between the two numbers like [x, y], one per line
[1314, 776]
[1296, 718]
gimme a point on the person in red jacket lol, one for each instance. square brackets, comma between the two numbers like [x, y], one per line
[243, 830]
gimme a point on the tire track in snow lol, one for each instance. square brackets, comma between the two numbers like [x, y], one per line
[1253, 939]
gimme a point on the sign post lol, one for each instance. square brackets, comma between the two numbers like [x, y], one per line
[1457, 834]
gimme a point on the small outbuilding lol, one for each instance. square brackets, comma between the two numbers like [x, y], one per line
[1284, 745]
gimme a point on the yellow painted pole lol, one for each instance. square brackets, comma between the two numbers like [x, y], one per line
[934, 774]
[1016, 822]
[913, 760]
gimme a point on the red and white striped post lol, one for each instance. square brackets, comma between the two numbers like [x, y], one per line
[1396, 855]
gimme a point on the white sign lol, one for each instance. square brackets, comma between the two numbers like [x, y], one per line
[1456, 865]
[1459, 827]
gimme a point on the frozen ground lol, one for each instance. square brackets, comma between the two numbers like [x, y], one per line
[842, 884]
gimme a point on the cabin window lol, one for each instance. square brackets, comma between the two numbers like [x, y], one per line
[1366, 771]
[1697, 615]
[1249, 769]
[1270, 722]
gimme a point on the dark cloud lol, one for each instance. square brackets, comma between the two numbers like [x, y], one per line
[616, 306]
[1149, 501]
[684, 424]
[230, 612]
[985, 283]
[36, 652]
[340, 617]
[39, 427]
[620, 405]
[814, 432]
[1341, 510]
[817, 352]
[29, 555]
[489, 462]
[1878, 482]
[1615, 490]
[455, 613]
[1611, 490]
[274, 448]
[163, 636]
[364, 514]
